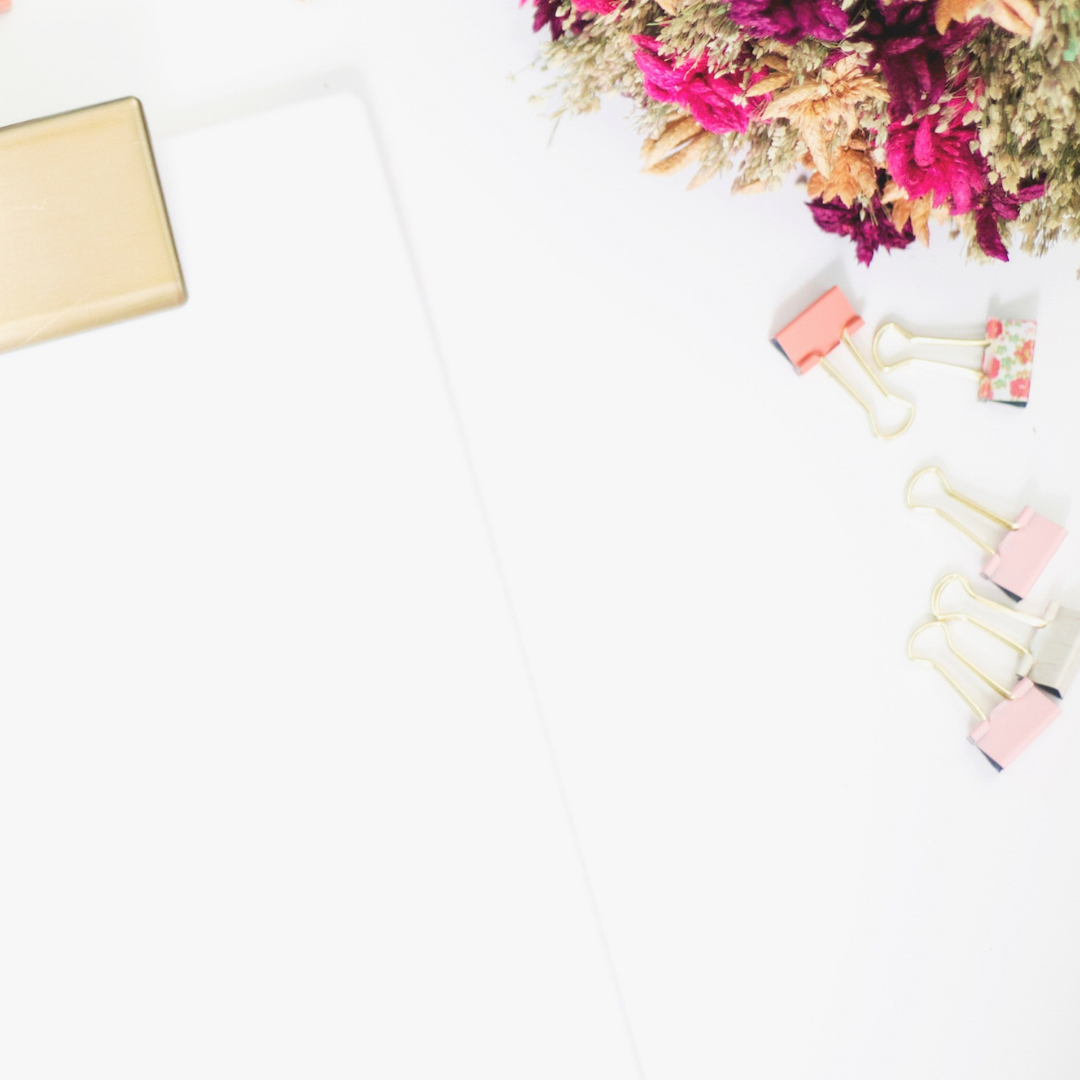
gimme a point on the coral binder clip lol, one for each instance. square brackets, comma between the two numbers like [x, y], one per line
[1052, 659]
[1005, 732]
[1028, 545]
[1008, 354]
[825, 325]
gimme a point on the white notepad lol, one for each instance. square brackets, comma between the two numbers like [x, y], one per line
[274, 798]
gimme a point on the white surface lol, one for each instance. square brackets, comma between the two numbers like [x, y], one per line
[801, 866]
[275, 799]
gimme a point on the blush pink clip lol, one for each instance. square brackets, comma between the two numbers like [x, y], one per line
[824, 326]
[1007, 730]
[1022, 555]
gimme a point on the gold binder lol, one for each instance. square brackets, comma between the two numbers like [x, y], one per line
[84, 234]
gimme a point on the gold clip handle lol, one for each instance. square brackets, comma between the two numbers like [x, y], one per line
[943, 671]
[875, 378]
[1014, 613]
[1012, 526]
[951, 679]
[959, 616]
[919, 339]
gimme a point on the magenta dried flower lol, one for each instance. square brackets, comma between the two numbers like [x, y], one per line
[790, 21]
[912, 53]
[998, 205]
[547, 14]
[715, 101]
[870, 227]
[926, 161]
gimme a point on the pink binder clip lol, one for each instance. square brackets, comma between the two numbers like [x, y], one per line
[1008, 729]
[1027, 547]
[1051, 659]
[1008, 355]
[825, 325]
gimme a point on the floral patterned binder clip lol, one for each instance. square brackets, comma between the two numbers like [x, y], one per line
[1008, 729]
[826, 324]
[1027, 547]
[1053, 658]
[1008, 356]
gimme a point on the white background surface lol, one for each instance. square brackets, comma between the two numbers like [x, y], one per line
[799, 865]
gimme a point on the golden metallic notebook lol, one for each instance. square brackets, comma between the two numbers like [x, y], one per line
[84, 235]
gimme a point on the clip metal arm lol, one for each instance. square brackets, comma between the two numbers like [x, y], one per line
[875, 378]
[1027, 619]
[958, 616]
[940, 668]
[921, 339]
[1010, 526]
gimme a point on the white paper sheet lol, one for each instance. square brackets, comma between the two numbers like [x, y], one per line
[274, 796]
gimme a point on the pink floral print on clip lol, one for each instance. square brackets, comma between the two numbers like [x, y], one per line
[1007, 361]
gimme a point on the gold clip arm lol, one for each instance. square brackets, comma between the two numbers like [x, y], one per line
[1013, 613]
[959, 616]
[876, 379]
[919, 339]
[943, 671]
[1012, 526]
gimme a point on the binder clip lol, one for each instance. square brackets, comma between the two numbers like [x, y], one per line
[825, 325]
[1005, 732]
[1052, 659]
[1007, 359]
[1028, 545]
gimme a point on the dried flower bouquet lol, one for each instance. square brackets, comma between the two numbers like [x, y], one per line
[898, 111]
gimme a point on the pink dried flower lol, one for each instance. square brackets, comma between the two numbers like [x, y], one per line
[599, 7]
[709, 97]
[925, 161]
[790, 21]
[870, 227]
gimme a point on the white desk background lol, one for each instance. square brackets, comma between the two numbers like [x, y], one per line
[642, 783]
